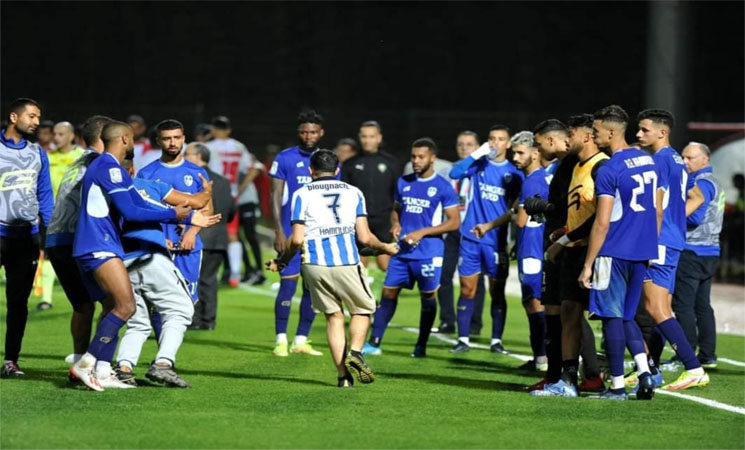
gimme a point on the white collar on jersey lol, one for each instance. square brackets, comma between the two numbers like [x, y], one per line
[418, 178]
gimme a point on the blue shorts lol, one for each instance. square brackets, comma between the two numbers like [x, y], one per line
[87, 264]
[292, 269]
[402, 273]
[662, 270]
[530, 271]
[616, 287]
[477, 258]
[189, 264]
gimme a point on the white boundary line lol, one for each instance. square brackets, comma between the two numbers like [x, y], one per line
[703, 401]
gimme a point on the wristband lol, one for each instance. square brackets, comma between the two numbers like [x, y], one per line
[563, 240]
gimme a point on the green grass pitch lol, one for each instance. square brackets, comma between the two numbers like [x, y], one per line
[244, 397]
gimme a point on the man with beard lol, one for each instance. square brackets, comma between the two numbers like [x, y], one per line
[290, 172]
[25, 194]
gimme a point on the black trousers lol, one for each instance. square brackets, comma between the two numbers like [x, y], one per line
[691, 301]
[205, 311]
[20, 256]
[445, 293]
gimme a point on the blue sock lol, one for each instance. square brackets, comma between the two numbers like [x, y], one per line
[656, 345]
[426, 320]
[104, 342]
[306, 314]
[673, 332]
[465, 312]
[283, 303]
[498, 316]
[157, 322]
[383, 315]
[537, 325]
[634, 338]
[615, 342]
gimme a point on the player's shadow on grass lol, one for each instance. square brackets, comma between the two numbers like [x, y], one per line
[253, 376]
[476, 364]
[194, 339]
[58, 358]
[490, 385]
[42, 316]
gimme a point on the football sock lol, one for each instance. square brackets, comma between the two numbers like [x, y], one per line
[103, 369]
[466, 340]
[537, 325]
[300, 340]
[156, 320]
[588, 351]
[635, 344]
[235, 255]
[495, 341]
[615, 342]
[553, 347]
[382, 316]
[570, 367]
[642, 364]
[282, 303]
[104, 342]
[656, 344]
[465, 312]
[426, 320]
[673, 332]
[281, 337]
[652, 365]
[498, 314]
[306, 314]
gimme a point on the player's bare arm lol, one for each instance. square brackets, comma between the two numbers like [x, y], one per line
[248, 179]
[368, 239]
[481, 229]
[396, 221]
[451, 223]
[658, 207]
[278, 187]
[597, 238]
[293, 244]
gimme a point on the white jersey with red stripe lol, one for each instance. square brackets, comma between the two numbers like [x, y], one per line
[145, 153]
[229, 158]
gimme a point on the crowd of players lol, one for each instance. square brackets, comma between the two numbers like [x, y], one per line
[600, 227]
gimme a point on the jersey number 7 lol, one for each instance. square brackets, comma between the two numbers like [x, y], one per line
[333, 205]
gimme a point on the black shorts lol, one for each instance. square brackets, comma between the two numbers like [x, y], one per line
[249, 211]
[571, 267]
[381, 228]
[550, 288]
[503, 266]
[68, 274]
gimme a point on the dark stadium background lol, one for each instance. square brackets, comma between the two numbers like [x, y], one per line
[418, 68]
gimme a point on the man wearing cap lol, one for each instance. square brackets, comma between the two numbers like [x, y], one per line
[145, 153]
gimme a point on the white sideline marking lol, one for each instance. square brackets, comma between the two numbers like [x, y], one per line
[704, 401]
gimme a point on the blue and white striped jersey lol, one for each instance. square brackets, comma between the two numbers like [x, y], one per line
[329, 210]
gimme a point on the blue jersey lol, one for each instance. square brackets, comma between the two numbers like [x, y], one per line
[630, 177]
[423, 201]
[292, 166]
[674, 180]
[183, 177]
[493, 185]
[530, 237]
[107, 199]
[137, 236]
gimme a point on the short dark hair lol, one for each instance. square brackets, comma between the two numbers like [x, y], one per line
[499, 126]
[136, 118]
[580, 121]
[612, 113]
[550, 125]
[202, 150]
[91, 128]
[470, 133]
[425, 142]
[18, 105]
[324, 160]
[309, 116]
[221, 122]
[350, 142]
[168, 124]
[45, 124]
[657, 116]
[372, 123]
[109, 132]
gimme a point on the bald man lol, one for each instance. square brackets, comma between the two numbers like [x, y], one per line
[60, 161]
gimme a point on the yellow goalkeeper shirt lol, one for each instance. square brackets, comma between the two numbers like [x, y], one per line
[581, 198]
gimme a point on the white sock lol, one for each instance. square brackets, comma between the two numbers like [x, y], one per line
[163, 361]
[496, 341]
[466, 340]
[300, 340]
[76, 357]
[281, 337]
[642, 363]
[617, 383]
[86, 361]
[103, 369]
[541, 359]
[235, 255]
[697, 371]
[126, 364]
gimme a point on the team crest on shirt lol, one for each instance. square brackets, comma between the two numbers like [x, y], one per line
[382, 167]
[188, 180]
[407, 188]
[507, 177]
[115, 175]
[300, 164]
[432, 191]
